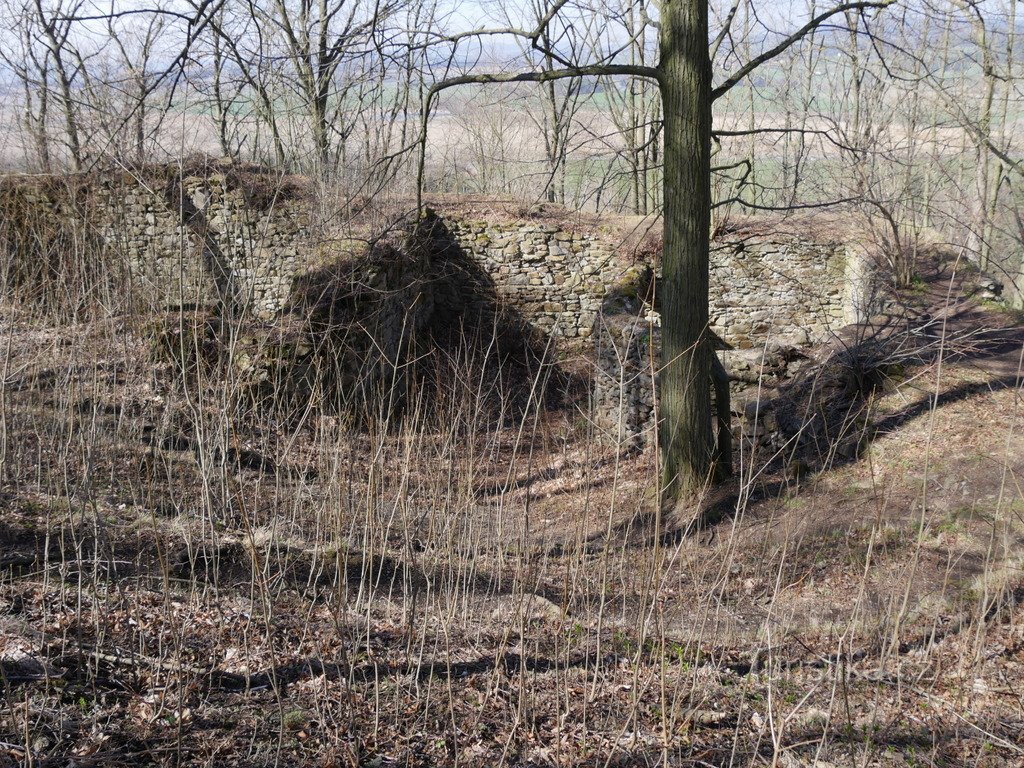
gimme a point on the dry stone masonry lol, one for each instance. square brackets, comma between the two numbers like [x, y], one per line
[556, 279]
[626, 352]
[183, 233]
[785, 288]
[248, 233]
[178, 232]
[771, 295]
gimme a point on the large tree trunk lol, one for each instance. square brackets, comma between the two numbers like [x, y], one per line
[687, 447]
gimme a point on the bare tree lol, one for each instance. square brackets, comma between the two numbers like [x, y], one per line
[321, 43]
[31, 64]
[635, 110]
[684, 78]
[125, 112]
[50, 68]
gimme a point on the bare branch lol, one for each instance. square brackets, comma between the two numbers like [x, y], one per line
[724, 31]
[596, 70]
[787, 43]
[787, 207]
[717, 134]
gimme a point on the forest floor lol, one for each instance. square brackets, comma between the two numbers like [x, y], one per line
[178, 591]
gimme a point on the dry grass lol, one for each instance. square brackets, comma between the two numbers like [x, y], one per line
[187, 582]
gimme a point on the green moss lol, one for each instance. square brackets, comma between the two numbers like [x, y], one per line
[295, 720]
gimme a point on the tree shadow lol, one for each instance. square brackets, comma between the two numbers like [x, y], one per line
[322, 576]
[823, 418]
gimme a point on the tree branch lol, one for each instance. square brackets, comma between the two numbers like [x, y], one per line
[794, 38]
[716, 134]
[531, 34]
[724, 31]
[596, 70]
[790, 207]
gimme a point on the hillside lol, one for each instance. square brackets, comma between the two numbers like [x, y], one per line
[188, 577]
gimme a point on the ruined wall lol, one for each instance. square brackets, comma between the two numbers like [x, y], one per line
[771, 295]
[784, 287]
[787, 288]
[180, 234]
[626, 357]
[626, 350]
[557, 279]
[185, 234]
[178, 229]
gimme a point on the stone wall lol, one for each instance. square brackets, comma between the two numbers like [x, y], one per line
[626, 349]
[181, 234]
[556, 279]
[185, 234]
[762, 286]
[787, 288]
[247, 234]
[772, 295]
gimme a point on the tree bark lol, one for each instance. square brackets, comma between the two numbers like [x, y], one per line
[685, 433]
